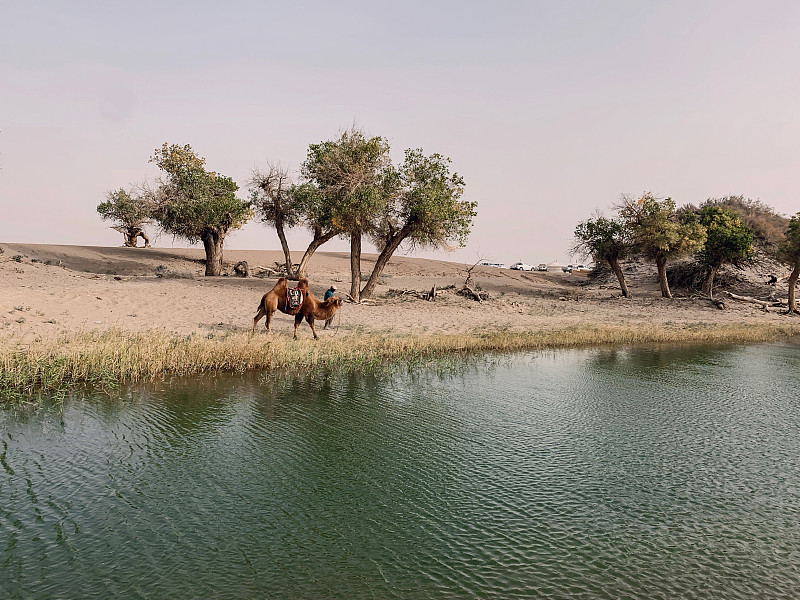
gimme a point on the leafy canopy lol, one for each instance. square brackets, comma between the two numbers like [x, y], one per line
[728, 239]
[425, 203]
[348, 175]
[657, 231]
[126, 210]
[790, 245]
[194, 203]
[603, 239]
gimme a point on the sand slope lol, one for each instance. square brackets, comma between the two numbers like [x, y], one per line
[45, 289]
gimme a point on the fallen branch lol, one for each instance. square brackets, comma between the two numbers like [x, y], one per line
[748, 299]
[470, 293]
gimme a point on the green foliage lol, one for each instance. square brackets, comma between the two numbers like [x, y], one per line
[789, 248]
[656, 230]
[728, 239]
[603, 239]
[768, 226]
[425, 206]
[347, 175]
[125, 209]
[194, 203]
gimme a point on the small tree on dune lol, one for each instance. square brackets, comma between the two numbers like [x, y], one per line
[728, 241]
[605, 240]
[659, 234]
[130, 212]
[790, 252]
[196, 204]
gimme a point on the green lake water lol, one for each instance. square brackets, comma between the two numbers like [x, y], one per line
[668, 473]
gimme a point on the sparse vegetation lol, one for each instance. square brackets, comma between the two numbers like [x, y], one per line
[116, 356]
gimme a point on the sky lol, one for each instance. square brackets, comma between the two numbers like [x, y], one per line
[549, 110]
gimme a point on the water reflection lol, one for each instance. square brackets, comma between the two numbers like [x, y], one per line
[634, 473]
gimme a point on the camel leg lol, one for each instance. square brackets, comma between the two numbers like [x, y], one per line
[269, 319]
[259, 315]
[297, 320]
[310, 319]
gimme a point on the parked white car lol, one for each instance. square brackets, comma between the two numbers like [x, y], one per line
[486, 263]
[521, 266]
[542, 267]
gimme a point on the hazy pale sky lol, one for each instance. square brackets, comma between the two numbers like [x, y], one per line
[549, 110]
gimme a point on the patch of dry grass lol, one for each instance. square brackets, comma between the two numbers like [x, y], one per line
[117, 356]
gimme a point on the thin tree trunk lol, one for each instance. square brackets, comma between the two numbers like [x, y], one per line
[792, 283]
[355, 266]
[383, 258]
[285, 245]
[661, 265]
[614, 264]
[212, 242]
[708, 284]
[319, 239]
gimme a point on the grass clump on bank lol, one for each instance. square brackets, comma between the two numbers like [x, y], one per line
[115, 356]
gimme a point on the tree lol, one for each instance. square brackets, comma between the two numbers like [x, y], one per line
[196, 204]
[130, 212]
[316, 213]
[605, 240]
[424, 209]
[347, 176]
[790, 252]
[728, 241]
[272, 201]
[659, 234]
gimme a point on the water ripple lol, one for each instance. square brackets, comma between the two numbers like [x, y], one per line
[586, 474]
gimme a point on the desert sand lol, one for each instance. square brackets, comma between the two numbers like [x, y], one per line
[47, 289]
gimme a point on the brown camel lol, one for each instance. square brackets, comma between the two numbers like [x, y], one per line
[310, 308]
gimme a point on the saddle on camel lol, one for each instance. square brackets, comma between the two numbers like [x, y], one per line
[297, 301]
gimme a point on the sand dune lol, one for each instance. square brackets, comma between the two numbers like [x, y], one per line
[45, 289]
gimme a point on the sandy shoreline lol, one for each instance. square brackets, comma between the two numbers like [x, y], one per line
[47, 289]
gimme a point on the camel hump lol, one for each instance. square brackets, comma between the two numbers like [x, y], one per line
[302, 283]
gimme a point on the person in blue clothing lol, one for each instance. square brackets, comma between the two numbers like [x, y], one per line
[328, 294]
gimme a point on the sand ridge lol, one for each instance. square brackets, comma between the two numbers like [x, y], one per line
[46, 289]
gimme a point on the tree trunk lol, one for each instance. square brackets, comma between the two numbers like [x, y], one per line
[614, 264]
[708, 284]
[319, 239]
[212, 242]
[355, 266]
[661, 265]
[131, 237]
[792, 283]
[285, 245]
[383, 258]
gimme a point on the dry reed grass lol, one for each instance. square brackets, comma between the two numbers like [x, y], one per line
[117, 356]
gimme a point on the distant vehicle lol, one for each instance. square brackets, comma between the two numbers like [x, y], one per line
[486, 263]
[580, 268]
[567, 269]
[542, 267]
[521, 266]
